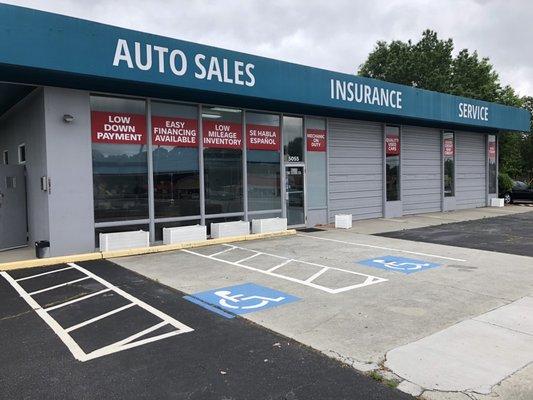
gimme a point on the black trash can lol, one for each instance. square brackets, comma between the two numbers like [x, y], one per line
[41, 248]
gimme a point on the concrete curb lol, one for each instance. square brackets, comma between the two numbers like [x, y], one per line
[43, 262]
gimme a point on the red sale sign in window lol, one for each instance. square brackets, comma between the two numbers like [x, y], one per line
[262, 137]
[492, 150]
[118, 128]
[222, 135]
[177, 132]
[449, 148]
[392, 144]
[316, 140]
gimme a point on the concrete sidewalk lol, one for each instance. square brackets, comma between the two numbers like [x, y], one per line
[381, 225]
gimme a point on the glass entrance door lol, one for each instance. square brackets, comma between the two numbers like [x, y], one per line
[295, 195]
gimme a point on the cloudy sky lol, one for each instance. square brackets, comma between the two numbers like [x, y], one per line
[331, 34]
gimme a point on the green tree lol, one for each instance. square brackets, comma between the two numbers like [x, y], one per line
[390, 62]
[472, 77]
[429, 64]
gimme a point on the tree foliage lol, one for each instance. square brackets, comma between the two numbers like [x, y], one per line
[430, 64]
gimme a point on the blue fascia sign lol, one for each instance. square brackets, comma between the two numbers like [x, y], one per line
[46, 41]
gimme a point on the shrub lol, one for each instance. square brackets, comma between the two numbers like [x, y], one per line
[505, 183]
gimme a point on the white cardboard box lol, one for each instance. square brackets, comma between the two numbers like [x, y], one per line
[267, 225]
[495, 202]
[184, 234]
[343, 221]
[124, 240]
[228, 229]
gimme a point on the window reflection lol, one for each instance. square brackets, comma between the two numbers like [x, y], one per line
[175, 159]
[264, 173]
[492, 163]
[222, 160]
[392, 151]
[293, 139]
[448, 152]
[120, 182]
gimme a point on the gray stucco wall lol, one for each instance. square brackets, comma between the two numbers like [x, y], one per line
[24, 123]
[68, 149]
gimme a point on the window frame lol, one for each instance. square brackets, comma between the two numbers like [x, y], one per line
[19, 153]
[5, 157]
[399, 189]
[454, 159]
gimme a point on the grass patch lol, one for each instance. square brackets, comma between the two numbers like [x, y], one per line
[392, 383]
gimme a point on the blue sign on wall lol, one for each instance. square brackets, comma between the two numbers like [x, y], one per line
[72, 48]
[241, 299]
[399, 264]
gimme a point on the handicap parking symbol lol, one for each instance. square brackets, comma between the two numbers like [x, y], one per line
[400, 264]
[241, 299]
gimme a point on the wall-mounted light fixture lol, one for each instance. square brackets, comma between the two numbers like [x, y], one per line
[67, 118]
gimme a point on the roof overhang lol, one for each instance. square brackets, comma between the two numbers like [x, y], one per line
[49, 49]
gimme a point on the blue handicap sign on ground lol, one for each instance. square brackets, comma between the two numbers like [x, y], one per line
[240, 299]
[400, 264]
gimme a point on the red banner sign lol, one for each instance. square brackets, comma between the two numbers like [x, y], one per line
[492, 151]
[262, 137]
[316, 140]
[449, 148]
[222, 135]
[118, 128]
[176, 132]
[392, 145]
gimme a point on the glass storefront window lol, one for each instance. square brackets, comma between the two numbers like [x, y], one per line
[492, 163]
[119, 154]
[316, 162]
[392, 152]
[293, 139]
[175, 159]
[263, 161]
[223, 169]
[448, 154]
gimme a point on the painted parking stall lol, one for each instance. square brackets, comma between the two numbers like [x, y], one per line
[218, 359]
[66, 333]
[298, 271]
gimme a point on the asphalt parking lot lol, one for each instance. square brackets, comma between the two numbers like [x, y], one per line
[95, 330]
[507, 234]
[298, 317]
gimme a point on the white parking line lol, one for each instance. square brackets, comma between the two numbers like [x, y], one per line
[275, 267]
[247, 258]
[369, 279]
[98, 318]
[383, 248]
[120, 345]
[44, 273]
[66, 303]
[58, 286]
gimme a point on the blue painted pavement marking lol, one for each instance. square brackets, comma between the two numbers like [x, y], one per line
[399, 264]
[241, 299]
